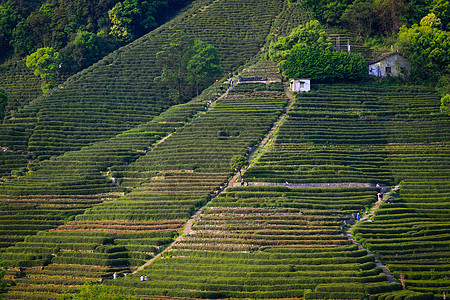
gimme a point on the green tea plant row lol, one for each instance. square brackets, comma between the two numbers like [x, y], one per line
[23, 216]
[157, 194]
[340, 133]
[273, 273]
[118, 92]
[20, 84]
[208, 143]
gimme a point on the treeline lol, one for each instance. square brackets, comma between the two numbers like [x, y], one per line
[81, 30]
[377, 16]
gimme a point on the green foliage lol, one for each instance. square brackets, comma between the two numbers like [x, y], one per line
[445, 104]
[86, 49]
[45, 62]
[441, 8]
[360, 17]
[324, 65]
[131, 18]
[202, 66]
[312, 35]
[92, 291]
[427, 47]
[186, 66]
[237, 162]
[9, 18]
[172, 59]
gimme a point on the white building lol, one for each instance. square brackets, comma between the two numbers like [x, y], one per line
[389, 64]
[300, 85]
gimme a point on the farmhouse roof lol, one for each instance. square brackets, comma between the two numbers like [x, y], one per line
[383, 56]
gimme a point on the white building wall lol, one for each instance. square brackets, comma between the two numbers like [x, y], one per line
[394, 65]
[300, 85]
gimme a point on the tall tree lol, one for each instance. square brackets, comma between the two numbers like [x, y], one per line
[390, 14]
[45, 63]
[186, 67]
[427, 47]
[202, 66]
[172, 60]
[132, 18]
[8, 20]
[312, 34]
[360, 17]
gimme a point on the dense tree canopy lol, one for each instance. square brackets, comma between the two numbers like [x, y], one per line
[427, 47]
[202, 66]
[132, 18]
[187, 66]
[45, 63]
[26, 26]
[312, 35]
[324, 65]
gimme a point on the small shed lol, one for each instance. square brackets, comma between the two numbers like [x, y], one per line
[300, 85]
[389, 64]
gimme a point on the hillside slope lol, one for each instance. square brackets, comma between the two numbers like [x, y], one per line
[118, 92]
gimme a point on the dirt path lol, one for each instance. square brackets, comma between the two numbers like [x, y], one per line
[190, 222]
[186, 231]
[368, 216]
[268, 136]
[276, 125]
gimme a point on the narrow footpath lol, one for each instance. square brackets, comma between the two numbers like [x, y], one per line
[190, 222]
[367, 217]
[255, 153]
[268, 136]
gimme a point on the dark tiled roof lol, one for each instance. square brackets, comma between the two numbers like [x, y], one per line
[383, 56]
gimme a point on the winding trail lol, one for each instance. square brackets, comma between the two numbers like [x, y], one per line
[367, 217]
[252, 158]
[194, 217]
[268, 136]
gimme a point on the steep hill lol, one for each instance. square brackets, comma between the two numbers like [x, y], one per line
[107, 175]
[118, 92]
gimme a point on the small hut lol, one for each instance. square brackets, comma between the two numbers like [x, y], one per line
[300, 85]
[389, 64]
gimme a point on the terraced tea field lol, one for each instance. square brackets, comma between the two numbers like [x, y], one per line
[268, 240]
[106, 174]
[121, 233]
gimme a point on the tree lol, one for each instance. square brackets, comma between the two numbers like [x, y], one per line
[21, 41]
[360, 17]
[8, 20]
[312, 35]
[389, 14]
[186, 66]
[172, 59]
[45, 63]
[441, 8]
[132, 18]
[427, 47]
[3, 103]
[203, 65]
[237, 162]
[324, 65]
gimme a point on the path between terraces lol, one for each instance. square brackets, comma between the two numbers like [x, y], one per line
[232, 182]
[190, 222]
[367, 217]
[265, 140]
